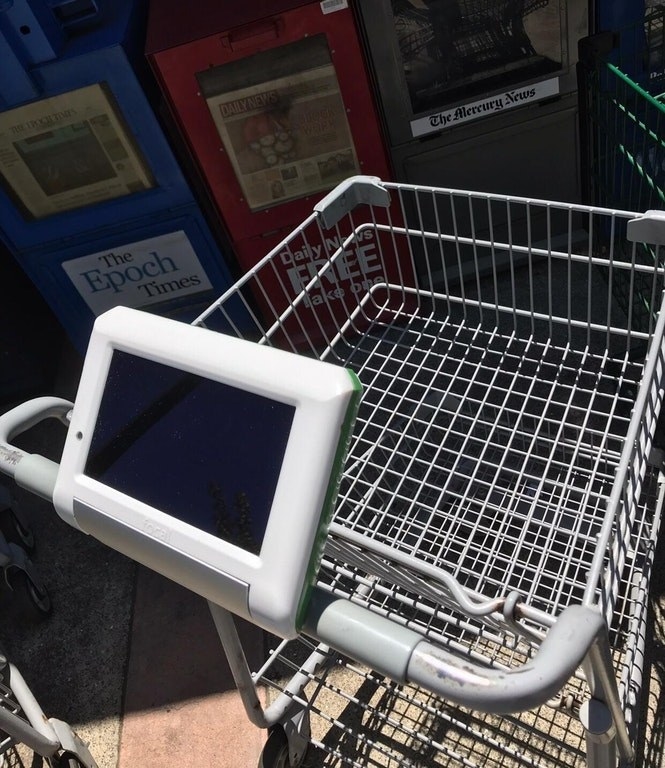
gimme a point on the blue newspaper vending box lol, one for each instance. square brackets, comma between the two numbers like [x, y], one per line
[93, 202]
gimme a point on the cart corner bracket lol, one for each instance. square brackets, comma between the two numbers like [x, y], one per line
[649, 228]
[356, 190]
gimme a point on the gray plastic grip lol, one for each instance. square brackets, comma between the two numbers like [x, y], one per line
[28, 414]
[37, 474]
[367, 637]
[649, 228]
[31, 471]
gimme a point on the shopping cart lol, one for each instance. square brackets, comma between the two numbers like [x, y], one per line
[499, 483]
[482, 597]
[621, 77]
[16, 543]
[22, 721]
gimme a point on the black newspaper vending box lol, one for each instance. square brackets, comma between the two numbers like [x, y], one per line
[479, 94]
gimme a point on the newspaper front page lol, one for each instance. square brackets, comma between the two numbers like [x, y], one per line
[286, 138]
[69, 151]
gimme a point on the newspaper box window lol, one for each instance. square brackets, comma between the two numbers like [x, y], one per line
[452, 49]
[210, 459]
[287, 136]
[69, 151]
[473, 91]
[275, 106]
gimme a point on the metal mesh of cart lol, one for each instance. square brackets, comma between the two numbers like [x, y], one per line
[498, 471]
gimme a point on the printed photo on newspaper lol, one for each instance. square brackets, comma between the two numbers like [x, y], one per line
[69, 151]
[287, 137]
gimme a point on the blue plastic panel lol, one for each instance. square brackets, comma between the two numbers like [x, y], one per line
[32, 30]
[16, 84]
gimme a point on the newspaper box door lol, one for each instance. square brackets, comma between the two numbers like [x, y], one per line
[277, 111]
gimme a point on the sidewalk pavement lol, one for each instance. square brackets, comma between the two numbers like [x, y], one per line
[180, 702]
[131, 661]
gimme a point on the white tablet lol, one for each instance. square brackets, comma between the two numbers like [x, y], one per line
[212, 460]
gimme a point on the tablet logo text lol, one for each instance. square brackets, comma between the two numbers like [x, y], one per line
[156, 531]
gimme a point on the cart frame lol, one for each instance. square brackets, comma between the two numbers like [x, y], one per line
[22, 721]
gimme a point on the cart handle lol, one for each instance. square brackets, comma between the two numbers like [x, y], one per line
[405, 656]
[32, 471]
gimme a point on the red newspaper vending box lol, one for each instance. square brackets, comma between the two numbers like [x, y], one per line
[274, 105]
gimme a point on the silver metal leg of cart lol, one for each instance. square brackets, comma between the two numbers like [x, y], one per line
[285, 714]
[600, 732]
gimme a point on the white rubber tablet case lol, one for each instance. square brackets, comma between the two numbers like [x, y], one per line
[212, 460]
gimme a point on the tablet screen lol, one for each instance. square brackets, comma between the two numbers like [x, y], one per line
[201, 451]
